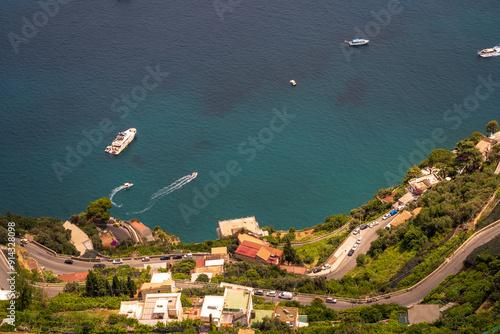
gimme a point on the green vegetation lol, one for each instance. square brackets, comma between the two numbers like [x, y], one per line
[47, 231]
[492, 126]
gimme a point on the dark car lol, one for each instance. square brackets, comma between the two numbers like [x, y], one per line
[351, 251]
[259, 292]
[99, 265]
[177, 257]
[364, 226]
[68, 261]
[316, 270]
[165, 257]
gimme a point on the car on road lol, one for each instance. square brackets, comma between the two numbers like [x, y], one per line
[401, 207]
[24, 241]
[117, 261]
[259, 292]
[145, 259]
[370, 225]
[376, 222]
[355, 232]
[164, 257]
[177, 257]
[387, 215]
[99, 265]
[393, 212]
[68, 261]
[271, 293]
[316, 270]
[331, 300]
[351, 251]
[189, 255]
[326, 266]
[355, 246]
[364, 226]
[359, 240]
[117, 224]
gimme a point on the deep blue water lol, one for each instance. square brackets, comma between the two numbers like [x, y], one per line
[355, 127]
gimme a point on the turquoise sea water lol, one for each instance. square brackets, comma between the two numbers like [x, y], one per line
[357, 125]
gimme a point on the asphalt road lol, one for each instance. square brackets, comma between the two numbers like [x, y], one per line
[4, 269]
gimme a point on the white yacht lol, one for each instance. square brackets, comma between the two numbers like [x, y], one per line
[121, 141]
[492, 52]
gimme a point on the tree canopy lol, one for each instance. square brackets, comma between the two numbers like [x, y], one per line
[98, 210]
[492, 126]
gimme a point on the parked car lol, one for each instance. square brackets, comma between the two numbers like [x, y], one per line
[351, 251]
[117, 224]
[285, 295]
[68, 261]
[401, 207]
[271, 294]
[359, 240]
[259, 292]
[145, 259]
[164, 257]
[370, 225]
[188, 255]
[355, 232]
[118, 261]
[177, 257]
[316, 270]
[387, 215]
[364, 226]
[393, 212]
[99, 265]
[376, 222]
[331, 300]
[355, 246]
[326, 266]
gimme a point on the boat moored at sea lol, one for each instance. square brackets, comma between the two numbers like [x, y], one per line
[121, 141]
[491, 52]
[127, 185]
[357, 41]
[293, 83]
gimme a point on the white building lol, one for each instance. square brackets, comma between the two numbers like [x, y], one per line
[212, 305]
[157, 307]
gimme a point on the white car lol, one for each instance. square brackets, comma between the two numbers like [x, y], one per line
[387, 215]
[326, 266]
[401, 207]
[355, 246]
[355, 232]
[359, 240]
[376, 222]
[118, 261]
[370, 225]
[271, 294]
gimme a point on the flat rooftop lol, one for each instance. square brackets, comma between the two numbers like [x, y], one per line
[236, 299]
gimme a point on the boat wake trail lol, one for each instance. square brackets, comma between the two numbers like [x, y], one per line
[113, 193]
[167, 190]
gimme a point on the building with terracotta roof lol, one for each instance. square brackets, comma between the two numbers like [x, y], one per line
[78, 277]
[229, 227]
[419, 185]
[160, 283]
[254, 252]
[289, 315]
[247, 237]
[484, 146]
[144, 231]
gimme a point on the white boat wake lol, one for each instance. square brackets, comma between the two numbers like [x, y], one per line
[167, 190]
[113, 193]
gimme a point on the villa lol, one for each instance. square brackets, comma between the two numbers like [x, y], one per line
[229, 227]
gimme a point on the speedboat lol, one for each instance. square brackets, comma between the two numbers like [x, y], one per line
[292, 82]
[193, 175]
[357, 41]
[127, 185]
[492, 52]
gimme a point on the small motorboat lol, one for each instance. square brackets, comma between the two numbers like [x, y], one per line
[293, 83]
[357, 41]
[127, 185]
[193, 175]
